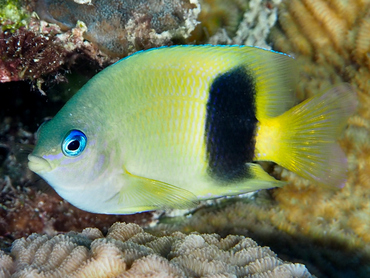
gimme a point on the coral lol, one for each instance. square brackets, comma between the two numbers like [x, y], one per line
[6, 265]
[255, 26]
[216, 15]
[325, 255]
[330, 40]
[245, 22]
[128, 251]
[25, 55]
[40, 48]
[327, 230]
[257, 22]
[334, 48]
[122, 27]
[32, 48]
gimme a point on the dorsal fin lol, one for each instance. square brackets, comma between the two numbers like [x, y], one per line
[275, 80]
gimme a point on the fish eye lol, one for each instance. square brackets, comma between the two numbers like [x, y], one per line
[74, 143]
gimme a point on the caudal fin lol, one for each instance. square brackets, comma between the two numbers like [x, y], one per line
[303, 139]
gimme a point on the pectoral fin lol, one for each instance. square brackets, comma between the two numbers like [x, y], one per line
[142, 194]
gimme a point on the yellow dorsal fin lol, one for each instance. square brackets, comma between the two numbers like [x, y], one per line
[303, 139]
[275, 79]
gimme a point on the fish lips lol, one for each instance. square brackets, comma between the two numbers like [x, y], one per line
[38, 164]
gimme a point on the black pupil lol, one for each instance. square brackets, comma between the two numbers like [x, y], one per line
[74, 145]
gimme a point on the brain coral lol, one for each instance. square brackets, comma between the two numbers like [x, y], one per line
[128, 251]
[123, 27]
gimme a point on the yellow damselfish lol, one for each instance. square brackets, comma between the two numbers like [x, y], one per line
[167, 127]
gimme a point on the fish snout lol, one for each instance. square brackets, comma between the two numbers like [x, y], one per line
[38, 164]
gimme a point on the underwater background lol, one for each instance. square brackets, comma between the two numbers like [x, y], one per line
[49, 49]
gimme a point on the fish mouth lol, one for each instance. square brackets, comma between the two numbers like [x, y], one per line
[38, 164]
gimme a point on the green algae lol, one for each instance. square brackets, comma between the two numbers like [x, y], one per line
[12, 15]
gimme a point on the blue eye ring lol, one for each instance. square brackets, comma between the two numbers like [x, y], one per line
[74, 143]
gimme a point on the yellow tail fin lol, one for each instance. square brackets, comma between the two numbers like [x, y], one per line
[303, 139]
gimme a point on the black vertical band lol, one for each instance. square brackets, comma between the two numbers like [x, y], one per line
[230, 124]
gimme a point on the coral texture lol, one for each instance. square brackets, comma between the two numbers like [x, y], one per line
[216, 15]
[254, 27]
[236, 22]
[31, 48]
[257, 23]
[330, 40]
[330, 221]
[40, 48]
[128, 251]
[27, 55]
[122, 27]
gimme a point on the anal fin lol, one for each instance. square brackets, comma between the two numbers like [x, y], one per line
[261, 179]
[256, 178]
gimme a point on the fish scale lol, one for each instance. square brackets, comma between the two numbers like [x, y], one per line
[167, 127]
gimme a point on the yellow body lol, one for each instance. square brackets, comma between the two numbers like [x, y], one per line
[145, 120]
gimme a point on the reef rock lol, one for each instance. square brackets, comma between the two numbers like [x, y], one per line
[122, 27]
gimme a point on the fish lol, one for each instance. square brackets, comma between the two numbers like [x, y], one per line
[167, 127]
